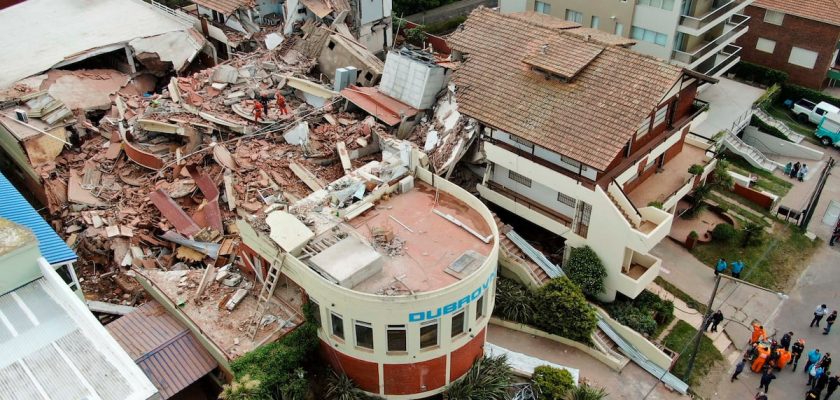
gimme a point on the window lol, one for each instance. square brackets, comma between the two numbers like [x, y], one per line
[364, 335]
[644, 128]
[574, 163]
[648, 36]
[429, 334]
[619, 29]
[596, 22]
[519, 178]
[396, 338]
[316, 312]
[479, 307]
[765, 45]
[64, 272]
[663, 4]
[337, 325]
[574, 16]
[659, 117]
[523, 142]
[542, 7]
[802, 57]
[458, 323]
[774, 17]
[566, 199]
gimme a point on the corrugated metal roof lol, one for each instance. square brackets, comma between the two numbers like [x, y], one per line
[45, 352]
[16, 209]
[163, 348]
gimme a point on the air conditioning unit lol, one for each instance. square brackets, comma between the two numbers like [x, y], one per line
[21, 115]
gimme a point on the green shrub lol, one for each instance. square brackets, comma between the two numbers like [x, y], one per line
[586, 270]
[695, 169]
[341, 387]
[655, 204]
[753, 235]
[278, 365]
[488, 379]
[723, 232]
[769, 96]
[552, 383]
[514, 301]
[242, 388]
[794, 92]
[693, 235]
[561, 308]
[647, 313]
[586, 392]
[759, 74]
[415, 35]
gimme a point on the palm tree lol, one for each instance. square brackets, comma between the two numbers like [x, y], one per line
[585, 392]
[242, 388]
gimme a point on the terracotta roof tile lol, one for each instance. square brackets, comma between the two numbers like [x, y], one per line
[827, 11]
[588, 119]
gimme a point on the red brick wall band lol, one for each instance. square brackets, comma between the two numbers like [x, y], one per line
[462, 359]
[364, 373]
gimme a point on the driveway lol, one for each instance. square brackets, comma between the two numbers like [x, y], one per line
[728, 102]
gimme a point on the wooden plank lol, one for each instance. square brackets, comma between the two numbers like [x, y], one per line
[307, 176]
[344, 156]
[230, 194]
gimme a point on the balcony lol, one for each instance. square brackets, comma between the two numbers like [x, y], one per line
[725, 59]
[733, 28]
[637, 272]
[648, 225]
[671, 182]
[702, 20]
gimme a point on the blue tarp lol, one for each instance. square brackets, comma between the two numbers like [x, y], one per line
[16, 209]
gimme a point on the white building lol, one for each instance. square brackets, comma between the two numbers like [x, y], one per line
[696, 34]
[586, 140]
[51, 346]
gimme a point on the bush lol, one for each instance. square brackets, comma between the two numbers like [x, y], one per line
[586, 392]
[693, 235]
[341, 387]
[586, 270]
[647, 314]
[552, 383]
[514, 301]
[561, 308]
[794, 92]
[242, 388]
[759, 74]
[415, 35]
[770, 95]
[695, 169]
[753, 235]
[278, 365]
[488, 379]
[655, 204]
[723, 232]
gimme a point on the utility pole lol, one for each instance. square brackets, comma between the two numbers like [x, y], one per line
[703, 324]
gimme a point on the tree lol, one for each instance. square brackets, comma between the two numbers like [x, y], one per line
[586, 270]
[488, 379]
[562, 309]
[723, 232]
[552, 383]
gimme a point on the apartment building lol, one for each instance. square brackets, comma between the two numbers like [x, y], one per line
[695, 34]
[800, 38]
[586, 140]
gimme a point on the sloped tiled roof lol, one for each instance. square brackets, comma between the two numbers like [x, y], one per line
[588, 119]
[827, 11]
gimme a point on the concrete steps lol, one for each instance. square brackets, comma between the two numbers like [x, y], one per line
[781, 126]
[751, 154]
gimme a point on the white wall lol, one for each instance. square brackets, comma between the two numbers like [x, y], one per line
[538, 192]
[512, 6]
[772, 145]
[545, 154]
[659, 20]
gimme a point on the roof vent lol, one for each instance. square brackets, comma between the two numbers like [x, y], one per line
[21, 115]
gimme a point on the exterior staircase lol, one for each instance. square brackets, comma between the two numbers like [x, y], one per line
[513, 252]
[751, 154]
[781, 126]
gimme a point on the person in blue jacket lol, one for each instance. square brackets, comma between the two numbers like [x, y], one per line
[721, 266]
[737, 267]
[813, 357]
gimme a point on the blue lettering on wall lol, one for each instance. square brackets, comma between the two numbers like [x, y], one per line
[450, 308]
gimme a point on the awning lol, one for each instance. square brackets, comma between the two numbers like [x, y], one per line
[163, 348]
[387, 109]
[16, 209]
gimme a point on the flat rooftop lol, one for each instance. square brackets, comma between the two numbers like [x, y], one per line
[228, 330]
[419, 250]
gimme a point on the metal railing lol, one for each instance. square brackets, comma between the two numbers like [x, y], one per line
[739, 25]
[731, 52]
[781, 126]
[700, 22]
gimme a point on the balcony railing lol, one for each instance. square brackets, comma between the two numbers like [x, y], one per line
[731, 52]
[738, 25]
[721, 9]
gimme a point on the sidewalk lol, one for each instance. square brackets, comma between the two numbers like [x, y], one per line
[631, 384]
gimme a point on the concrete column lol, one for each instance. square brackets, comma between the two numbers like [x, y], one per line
[129, 55]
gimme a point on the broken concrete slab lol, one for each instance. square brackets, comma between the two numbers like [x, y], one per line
[299, 135]
[225, 74]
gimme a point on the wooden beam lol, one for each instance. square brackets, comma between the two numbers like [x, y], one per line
[344, 156]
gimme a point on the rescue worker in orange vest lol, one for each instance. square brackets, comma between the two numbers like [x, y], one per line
[758, 333]
[258, 111]
[281, 103]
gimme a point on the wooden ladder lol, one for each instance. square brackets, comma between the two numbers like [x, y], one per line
[266, 293]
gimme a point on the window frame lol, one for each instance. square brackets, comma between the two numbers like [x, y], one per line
[595, 22]
[566, 199]
[479, 307]
[660, 116]
[770, 17]
[576, 16]
[396, 328]
[333, 316]
[463, 315]
[644, 126]
[316, 313]
[425, 325]
[364, 325]
[802, 52]
[542, 7]
[772, 45]
[522, 142]
[519, 178]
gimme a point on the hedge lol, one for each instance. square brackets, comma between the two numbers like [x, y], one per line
[586, 270]
[795, 92]
[770, 130]
[552, 383]
[647, 314]
[759, 74]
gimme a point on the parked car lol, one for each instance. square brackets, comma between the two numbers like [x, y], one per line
[829, 130]
[806, 110]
